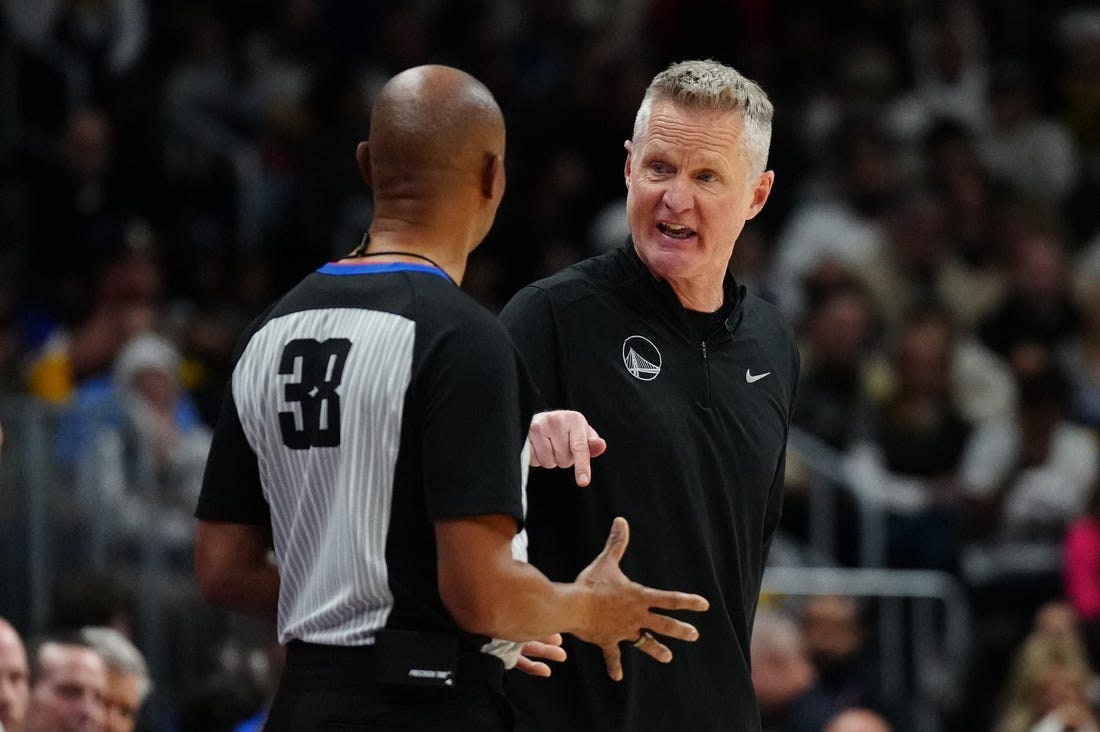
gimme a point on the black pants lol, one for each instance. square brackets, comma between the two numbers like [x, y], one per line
[329, 689]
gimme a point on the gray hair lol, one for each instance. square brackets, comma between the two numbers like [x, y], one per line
[714, 86]
[119, 654]
[775, 633]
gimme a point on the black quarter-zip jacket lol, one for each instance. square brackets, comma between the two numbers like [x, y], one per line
[696, 427]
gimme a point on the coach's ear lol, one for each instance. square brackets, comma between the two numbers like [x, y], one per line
[629, 145]
[362, 157]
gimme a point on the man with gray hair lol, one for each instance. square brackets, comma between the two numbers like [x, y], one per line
[691, 381]
[128, 681]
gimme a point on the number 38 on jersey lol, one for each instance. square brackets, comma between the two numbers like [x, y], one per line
[315, 368]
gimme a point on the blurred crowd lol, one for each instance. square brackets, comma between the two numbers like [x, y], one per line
[933, 236]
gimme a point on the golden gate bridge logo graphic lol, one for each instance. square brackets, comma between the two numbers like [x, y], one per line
[641, 358]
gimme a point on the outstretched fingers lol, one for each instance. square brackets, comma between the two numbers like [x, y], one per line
[671, 627]
[673, 600]
[547, 648]
[617, 540]
[650, 646]
[613, 660]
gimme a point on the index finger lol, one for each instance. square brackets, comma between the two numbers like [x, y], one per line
[582, 459]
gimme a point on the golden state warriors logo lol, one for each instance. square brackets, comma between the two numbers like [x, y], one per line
[641, 358]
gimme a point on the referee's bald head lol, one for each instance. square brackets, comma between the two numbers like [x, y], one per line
[428, 124]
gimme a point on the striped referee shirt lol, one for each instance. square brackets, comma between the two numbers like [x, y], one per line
[371, 400]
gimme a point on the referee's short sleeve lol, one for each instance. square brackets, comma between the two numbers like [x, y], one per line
[529, 320]
[231, 489]
[473, 428]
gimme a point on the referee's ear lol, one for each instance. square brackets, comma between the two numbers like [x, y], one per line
[362, 157]
[492, 176]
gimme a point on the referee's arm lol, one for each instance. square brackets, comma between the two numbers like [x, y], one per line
[490, 593]
[234, 568]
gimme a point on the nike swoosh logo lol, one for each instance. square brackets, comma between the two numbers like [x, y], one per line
[752, 378]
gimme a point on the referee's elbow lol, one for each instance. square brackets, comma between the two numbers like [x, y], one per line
[474, 610]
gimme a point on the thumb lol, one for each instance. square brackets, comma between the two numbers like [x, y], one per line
[617, 540]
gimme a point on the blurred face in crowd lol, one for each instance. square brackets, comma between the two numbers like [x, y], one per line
[689, 192]
[69, 694]
[841, 329]
[925, 359]
[831, 627]
[122, 701]
[157, 388]
[14, 689]
[858, 720]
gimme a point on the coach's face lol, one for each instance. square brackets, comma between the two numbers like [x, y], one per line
[689, 192]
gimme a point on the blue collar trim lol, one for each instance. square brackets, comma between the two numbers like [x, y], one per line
[335, 268]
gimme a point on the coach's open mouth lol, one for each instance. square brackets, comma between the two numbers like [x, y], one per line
[675, 231]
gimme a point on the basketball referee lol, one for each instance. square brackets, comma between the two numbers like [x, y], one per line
[372, 436]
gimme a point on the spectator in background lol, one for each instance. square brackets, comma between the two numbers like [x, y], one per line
[14, 679]
[1081, 571]
[73, 363]
[835, 642]
[858, 720]
[1037, 314]
[837, 335]
[1079, 356]
[1078, 107]
[834, 403]
[842, 226]
[128, 680]
[68, 686]
[1078, 31]
[948, 48]
[83, 204]
[974, 278]
[1047, 689]
[790, 695]
[907, 462]
[909, 269]
[1025, 480]
[914, 270]
[143, 434]
[1034, 155]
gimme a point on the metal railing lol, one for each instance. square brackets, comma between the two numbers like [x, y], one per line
[923, 631]
[828, 475]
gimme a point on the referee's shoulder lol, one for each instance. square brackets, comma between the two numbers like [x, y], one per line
[445, 305]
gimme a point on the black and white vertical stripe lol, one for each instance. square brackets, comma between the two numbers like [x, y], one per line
[330, 506]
